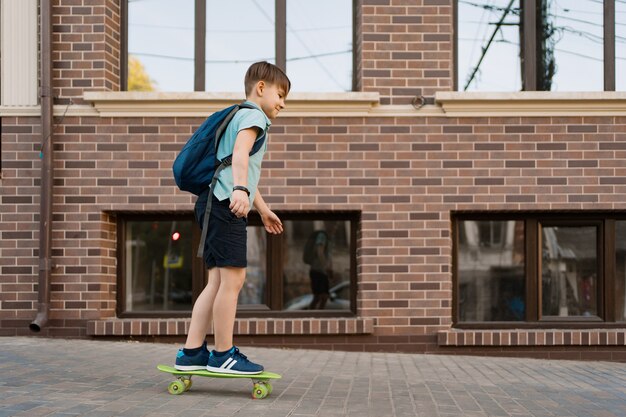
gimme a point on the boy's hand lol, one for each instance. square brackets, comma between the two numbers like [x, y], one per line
[272, 223]
[239, 203]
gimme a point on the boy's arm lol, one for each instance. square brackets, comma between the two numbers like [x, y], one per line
[270, 220]
[239, 201]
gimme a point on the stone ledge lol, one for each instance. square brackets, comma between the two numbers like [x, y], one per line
[180, 327]
[531, 104]
[521, 337]
[200, 104]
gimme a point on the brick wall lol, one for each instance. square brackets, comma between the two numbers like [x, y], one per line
[86, 47]
[406, 174]
[406, 48]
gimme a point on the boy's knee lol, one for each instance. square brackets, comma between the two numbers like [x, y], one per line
[232, 277]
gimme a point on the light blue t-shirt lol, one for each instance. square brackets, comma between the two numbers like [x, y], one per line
[243, 119]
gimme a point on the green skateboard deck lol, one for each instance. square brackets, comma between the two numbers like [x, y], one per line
[261, 384]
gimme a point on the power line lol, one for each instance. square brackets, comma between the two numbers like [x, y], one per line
[573, 19]
[306, 48]
[237, 30]
[560, 50]
[486, 48]
[514, 10]
[235, 61]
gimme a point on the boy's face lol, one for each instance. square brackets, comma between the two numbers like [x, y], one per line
[271, 98]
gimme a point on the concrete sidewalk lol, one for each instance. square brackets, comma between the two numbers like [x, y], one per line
[95, 378]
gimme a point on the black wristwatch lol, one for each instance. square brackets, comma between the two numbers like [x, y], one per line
[242, 188]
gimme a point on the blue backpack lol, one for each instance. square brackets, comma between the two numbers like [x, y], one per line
[197, 163]
[196, 167]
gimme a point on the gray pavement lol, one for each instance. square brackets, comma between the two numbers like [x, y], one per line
[53, 377]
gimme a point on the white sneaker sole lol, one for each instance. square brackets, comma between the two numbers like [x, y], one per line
[190, 368]
[230, 371]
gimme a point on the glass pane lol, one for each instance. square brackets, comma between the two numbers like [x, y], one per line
[253, 291]
[620, 46]
[316, 265]
[239, 33]
[319, 45]
[490, 259]
[158, 265]
[499, 67]
[574, 32]
[569, 271]
[160, 45]
[620, 271]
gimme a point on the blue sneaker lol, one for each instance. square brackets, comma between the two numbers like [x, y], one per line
[196, 362]
[233, 362]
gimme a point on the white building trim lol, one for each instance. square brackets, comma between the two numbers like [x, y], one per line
[18, 52]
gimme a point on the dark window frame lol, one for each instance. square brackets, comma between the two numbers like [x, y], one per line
[528, 17]
[200, 42]
[533, 221]
[198, 270]
[274, 287]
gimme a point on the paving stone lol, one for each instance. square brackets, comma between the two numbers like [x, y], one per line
[101, 379]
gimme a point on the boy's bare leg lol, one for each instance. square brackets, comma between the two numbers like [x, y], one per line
[225, 306]
[203, 311]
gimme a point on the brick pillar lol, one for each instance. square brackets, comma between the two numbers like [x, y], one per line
[406, 48]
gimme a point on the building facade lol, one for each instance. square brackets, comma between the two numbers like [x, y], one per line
[454, 221]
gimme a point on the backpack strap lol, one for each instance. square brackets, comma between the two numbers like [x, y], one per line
[209, 202]
[223, 164]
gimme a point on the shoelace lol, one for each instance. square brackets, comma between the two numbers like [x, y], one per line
[237, 352]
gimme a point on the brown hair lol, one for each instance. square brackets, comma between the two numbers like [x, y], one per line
[270, 73]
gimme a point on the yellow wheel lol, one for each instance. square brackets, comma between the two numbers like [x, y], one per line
[269, 387]
[188, 383]
[176, 387]
[259, 391]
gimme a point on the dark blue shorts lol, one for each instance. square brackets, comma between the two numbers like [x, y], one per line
[226, 241]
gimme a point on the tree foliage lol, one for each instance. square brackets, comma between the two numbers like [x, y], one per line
[138, 78]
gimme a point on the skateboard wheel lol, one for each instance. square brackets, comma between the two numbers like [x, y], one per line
[269, 387]
[176, 387]
[188, 383]
[259, 391]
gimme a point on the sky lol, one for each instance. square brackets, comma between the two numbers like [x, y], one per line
[578, 45]
[319, 43]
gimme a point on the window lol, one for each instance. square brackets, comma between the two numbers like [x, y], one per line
[160, 275]
[491, 276]
[539, 269]
[569, 271]
[207, 45]
[157, 264]
[513, 45]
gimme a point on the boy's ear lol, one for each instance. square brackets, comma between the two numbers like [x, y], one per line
[260, 87]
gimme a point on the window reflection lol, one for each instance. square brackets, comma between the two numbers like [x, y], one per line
[491, 270]
[316, 265]
[574, 34]
[569, 271]
[319, 45]
[158, 267]
[239, 33]
[499, 68]
[160, 43]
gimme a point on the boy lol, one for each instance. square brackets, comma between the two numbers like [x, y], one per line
[266, 87]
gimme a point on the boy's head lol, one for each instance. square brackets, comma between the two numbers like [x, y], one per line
[267, 85]
[270, 73]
